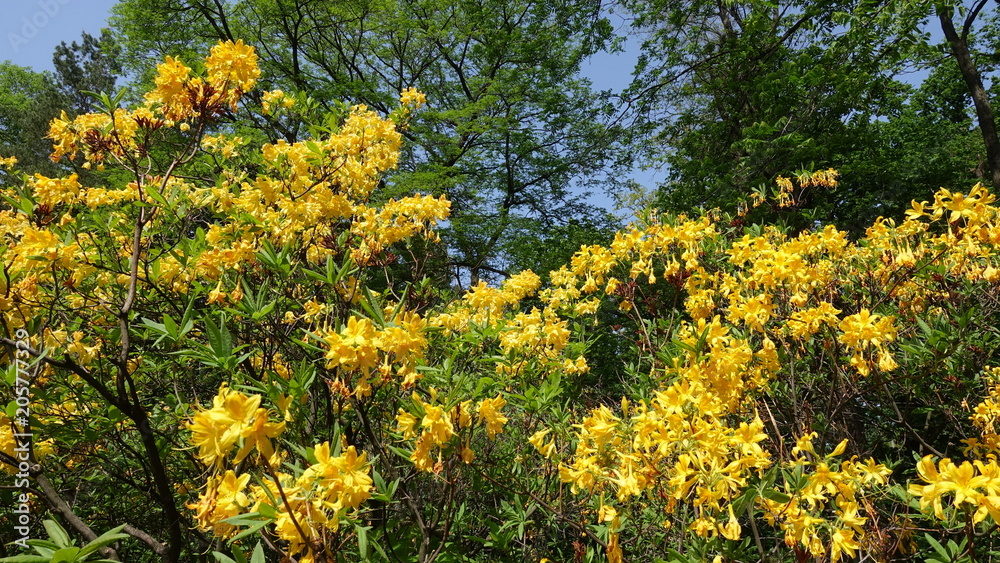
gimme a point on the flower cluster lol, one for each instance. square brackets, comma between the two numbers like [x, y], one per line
[986, 417]
[231, 70]
[440, 427]
[362, 348]
[816, 485]
[303, 507]
[234, 418]
[864, 331]
[974, 485]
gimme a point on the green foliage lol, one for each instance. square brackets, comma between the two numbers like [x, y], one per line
[90, 66]
[512, 131]
[59, 548]
[28, 100]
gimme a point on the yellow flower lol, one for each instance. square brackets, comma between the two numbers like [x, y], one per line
[538, 441]
[232, 66]
[216, 295]
[171, 91]
[258, 435]
[51, 191]
[489, 413]
[405, 423]
[437, 424]
[969, 486]
[223, 498]
[865, 329]
[233, 417]
[464, 414]
[421, 456]
[275, 97]
[343, 482]
[413, 98]
[731, 530]
[614, 549]
[842, 542]
[804, 444]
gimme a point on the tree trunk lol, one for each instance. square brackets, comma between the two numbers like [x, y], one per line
[984, 111]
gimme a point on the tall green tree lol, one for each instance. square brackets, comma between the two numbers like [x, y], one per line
[729, 95]
[929, 141]
[93, 65]
[511, 130]
[28, 100]
[957, 23]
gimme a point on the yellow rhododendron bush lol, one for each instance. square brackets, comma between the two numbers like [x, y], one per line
[229, 345]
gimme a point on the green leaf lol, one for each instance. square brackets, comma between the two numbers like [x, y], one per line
[258, 554]
[775, 496]
[25, 559]
[104, 539]
[946, 556]
[251, 530]
[744, 501]
[362, 540]
[171, 326]
[65, 555]
[219, 339]
[57, 533]
[222, 558]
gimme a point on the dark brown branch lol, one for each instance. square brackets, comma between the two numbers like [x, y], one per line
[980, 98]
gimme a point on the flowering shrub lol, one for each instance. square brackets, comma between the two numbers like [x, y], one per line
[240, 333]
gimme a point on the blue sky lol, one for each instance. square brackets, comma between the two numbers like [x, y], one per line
[30, 30]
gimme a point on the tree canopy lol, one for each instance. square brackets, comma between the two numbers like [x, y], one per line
[511, 127]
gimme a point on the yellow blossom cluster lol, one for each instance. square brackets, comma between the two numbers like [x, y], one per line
[231, 70]
[411, 97]
[234, 419]
[816, 485]
[974, 485]
[678, 445]
[226, 146]
[786, 195]
[101, 136]
[275, 100]
[305, 507]
[986, 417]
[223, 498]
[668, 449]
[437, 426]
[483, 305]
[864, 331]
[52, 191]
[536, 338]
[308, 191]
[660, 250]
[363, 348]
